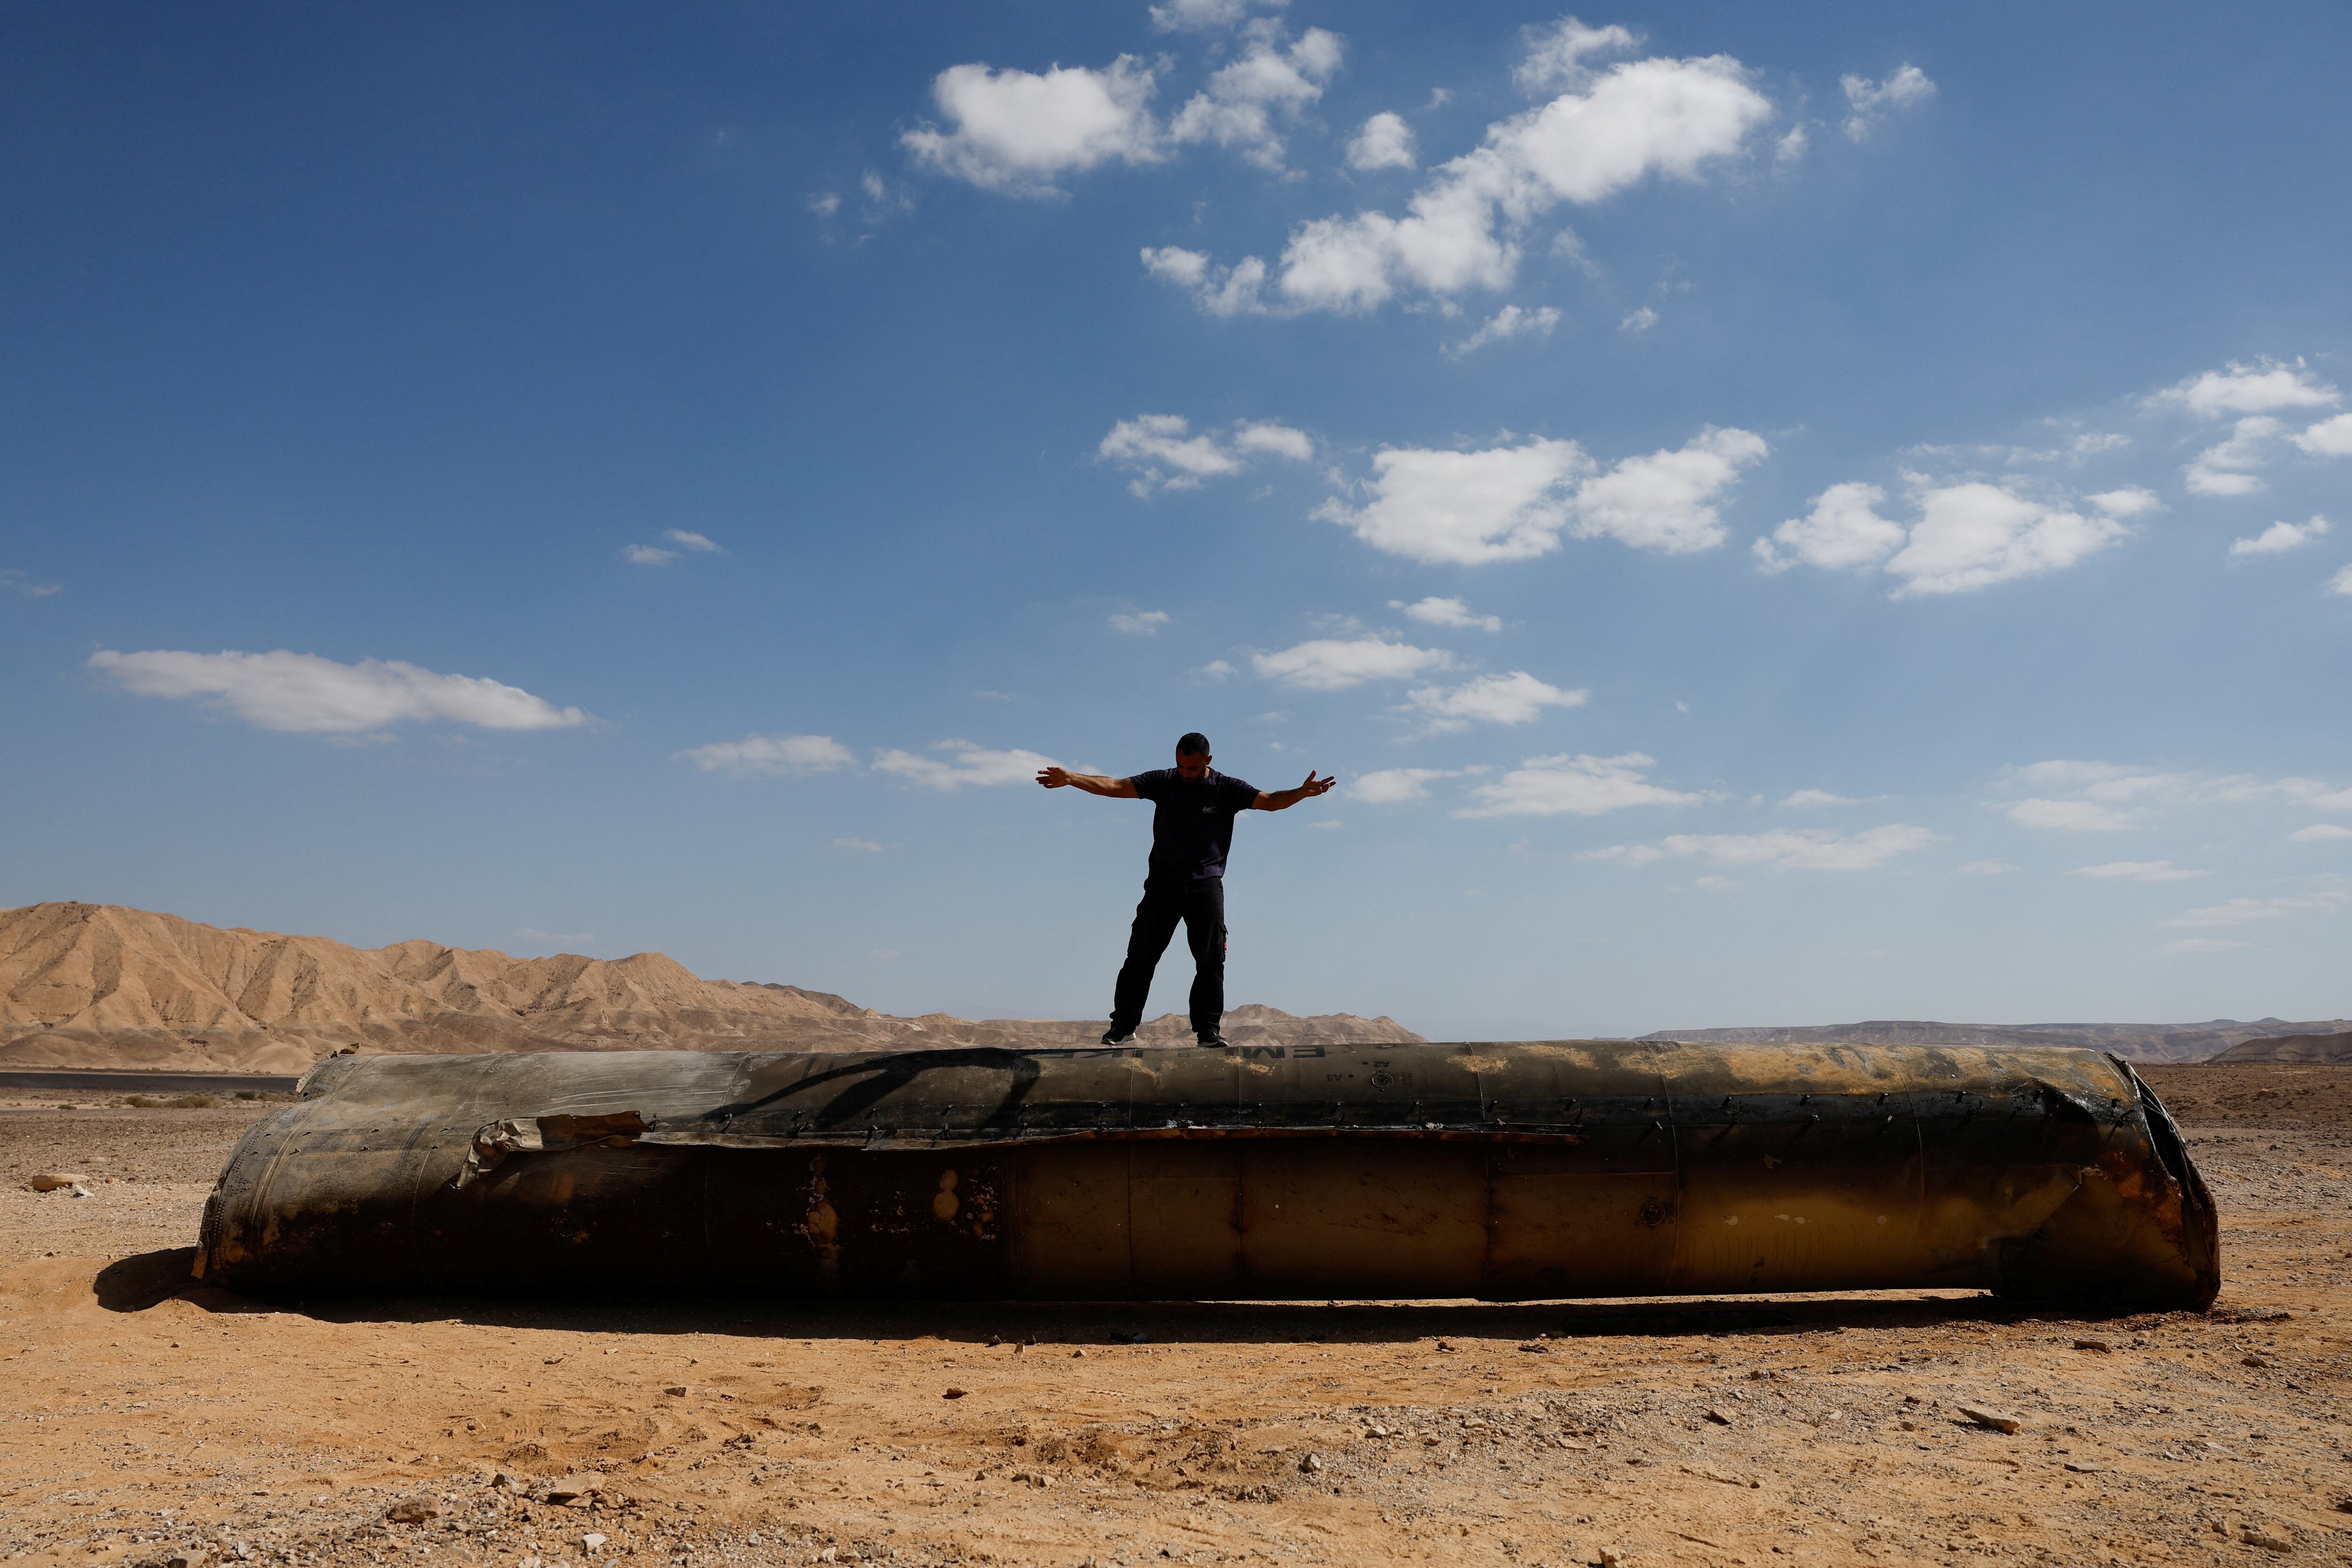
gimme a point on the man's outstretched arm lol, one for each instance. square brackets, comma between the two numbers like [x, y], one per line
[1093, 784]
[1283, 799]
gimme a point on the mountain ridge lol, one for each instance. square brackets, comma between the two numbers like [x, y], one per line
[97, 985]
[2134, 1042]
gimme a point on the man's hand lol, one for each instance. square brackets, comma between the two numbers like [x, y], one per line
[1283, 799]
[1057, 778]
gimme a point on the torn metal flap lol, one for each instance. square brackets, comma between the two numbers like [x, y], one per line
[547, 1136]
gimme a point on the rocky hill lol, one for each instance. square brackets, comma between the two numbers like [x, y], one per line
[98, 985]
[2329, 1047]
[2133, 1042]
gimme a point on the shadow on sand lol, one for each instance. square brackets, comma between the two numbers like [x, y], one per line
[136, 1283]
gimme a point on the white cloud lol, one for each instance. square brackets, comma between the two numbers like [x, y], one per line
[1666, 501]
[1554, 56]
[1576, 785]
[1968, 536]
[865, 846]
[15, 579]
[1714, 884]
[2320, 833]
[965, 763]
[1385, 142]
[825, 204]
[1397, 787]
[1216, 669]
[1809, 798]
[2263, 387]
[2328, 438]
[306, 694]
[1138, 623]
[1989, 868]
[1791, 149]
[2130, 502]
[1017, 131]
[2197, 944]
[1510, 321]
[1436, 612]
[2341, 582]
[2222, 470]
[1514, 698]
[1463, 228]
[773, 755]
[1331, 663]
[647, 555]
[1506, 503]
[1200, 16]
[2067, 816]
[686, 539]
[1511, 503]
[2139, 871]
[2329, 895]
[1870, 102]
[1164, 454]
[1239, 106]
[1639, 320]
[2280, 537]
[1236, 290]
[1783, 849]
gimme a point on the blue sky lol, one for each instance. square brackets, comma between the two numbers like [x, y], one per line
[1773, 514]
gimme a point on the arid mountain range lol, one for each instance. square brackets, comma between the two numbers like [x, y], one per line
[2133, 1042]
[2330, 1047]
[98, 985]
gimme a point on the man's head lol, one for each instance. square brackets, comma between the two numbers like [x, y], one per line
[1192, 755]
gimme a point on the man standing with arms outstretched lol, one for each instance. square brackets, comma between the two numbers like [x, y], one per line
[1193, 808]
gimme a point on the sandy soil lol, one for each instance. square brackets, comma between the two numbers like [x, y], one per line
[139, 1426]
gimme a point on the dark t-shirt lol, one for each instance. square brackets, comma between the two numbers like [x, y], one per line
[1192, 821]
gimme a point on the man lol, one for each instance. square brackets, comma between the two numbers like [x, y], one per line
[1193, 808]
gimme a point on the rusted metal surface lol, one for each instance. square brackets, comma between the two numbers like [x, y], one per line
[1503, 1171]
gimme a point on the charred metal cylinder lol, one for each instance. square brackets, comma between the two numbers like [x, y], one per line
[1514, 1172]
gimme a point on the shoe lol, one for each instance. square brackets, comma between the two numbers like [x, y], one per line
[1213, 1042]
[1113, 1037]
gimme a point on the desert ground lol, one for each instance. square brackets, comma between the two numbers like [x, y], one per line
[144, 1421]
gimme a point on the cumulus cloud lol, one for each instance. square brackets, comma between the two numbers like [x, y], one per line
[1556, 56]
[1138, 623]
[1575, 785]
[1510, 321]
[1334, 664]
[1806, 799]
[2130, 502]
[2139, 871]
[2106, 797]
[1967, 536]
[2222, 470]
[686, 539]
[964, 763]
[1639, 320]
[2280, 537]
[2320, 833]
[1514, 698]
[2067, 816]
[2327, 895]
[1397, 787]
[1242, 100]
[1385, 142]
[1868, 103]
[2341, 582]
[773, 755]
[1436, 612]
[1512, 503]
[1783, 849]
[305, 694]
[1989, 868]
[1018, 132]
[1464, 228]
[647, 555]
[1163, 453]
[2328, 438]
[2265, 386]
[1201, 15]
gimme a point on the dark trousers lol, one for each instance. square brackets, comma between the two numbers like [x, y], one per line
[1201, 905]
